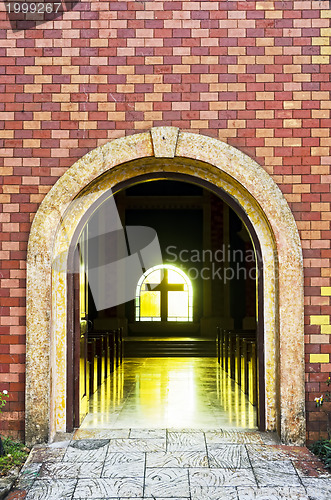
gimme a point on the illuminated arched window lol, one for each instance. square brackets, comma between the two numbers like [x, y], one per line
[164, 293]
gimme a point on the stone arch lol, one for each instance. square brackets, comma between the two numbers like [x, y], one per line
[123, 159]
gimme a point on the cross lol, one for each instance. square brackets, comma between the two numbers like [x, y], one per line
[165, 287]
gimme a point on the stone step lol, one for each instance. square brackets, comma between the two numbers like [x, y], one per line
[169, 348]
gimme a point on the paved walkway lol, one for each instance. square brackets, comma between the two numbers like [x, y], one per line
[160, 464]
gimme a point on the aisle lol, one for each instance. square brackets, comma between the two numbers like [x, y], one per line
[176, 393]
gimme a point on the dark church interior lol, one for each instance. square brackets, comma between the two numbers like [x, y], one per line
[197, 304]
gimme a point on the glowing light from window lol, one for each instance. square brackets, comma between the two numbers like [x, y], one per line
[164, 287]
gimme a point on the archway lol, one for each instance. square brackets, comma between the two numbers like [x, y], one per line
[188, 230]
[201, 158]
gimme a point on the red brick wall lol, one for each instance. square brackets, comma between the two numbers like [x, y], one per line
[255, 74]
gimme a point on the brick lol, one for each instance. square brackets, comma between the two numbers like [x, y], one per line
[319, 358]
[319, 320]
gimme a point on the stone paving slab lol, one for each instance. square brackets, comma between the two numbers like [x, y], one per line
[223, 436]
[131, 487]
[136, 444]
[80, 455]
[52, 488]
[317, 489]
[228, 456]
[186, 441]
[167, 482]
[270, 477]
[160, 464]
[177, 459]
[119, 465]
[69, 470]
[221, 477]
[273, 493]
[101, 434]
[148, 433]
[213, 493]
[43, 454]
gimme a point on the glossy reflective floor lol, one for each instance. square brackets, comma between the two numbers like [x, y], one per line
[155, 393]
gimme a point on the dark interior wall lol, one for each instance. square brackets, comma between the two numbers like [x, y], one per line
[182, 236]
[217, 244]
[179, 233]
[237, 285]
[164, 188]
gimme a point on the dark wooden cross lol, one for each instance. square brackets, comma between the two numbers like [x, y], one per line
[164, 287]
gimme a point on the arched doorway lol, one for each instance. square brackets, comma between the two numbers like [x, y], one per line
[154, 313]
[206, 160]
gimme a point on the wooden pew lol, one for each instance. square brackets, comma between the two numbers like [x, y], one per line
[111, 351]
[237, 376]
[218, 344]
[241, 335]
[84, 373]
[225, 353]
[226, 350]
[99, 355]
[251, 368]
[118, 346]
[93, 365]
[122, 343]
[231, 354]
[221, 347]
[107, 353]
[104, 353]
[237, 353]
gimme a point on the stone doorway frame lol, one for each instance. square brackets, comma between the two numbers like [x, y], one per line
[123, 159]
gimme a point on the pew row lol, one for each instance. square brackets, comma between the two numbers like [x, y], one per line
[237, 355]
[104, 355]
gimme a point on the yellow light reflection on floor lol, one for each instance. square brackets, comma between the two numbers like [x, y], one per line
[169, 392]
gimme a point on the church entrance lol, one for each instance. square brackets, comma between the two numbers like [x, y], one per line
[52, 353]
[196, 307]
